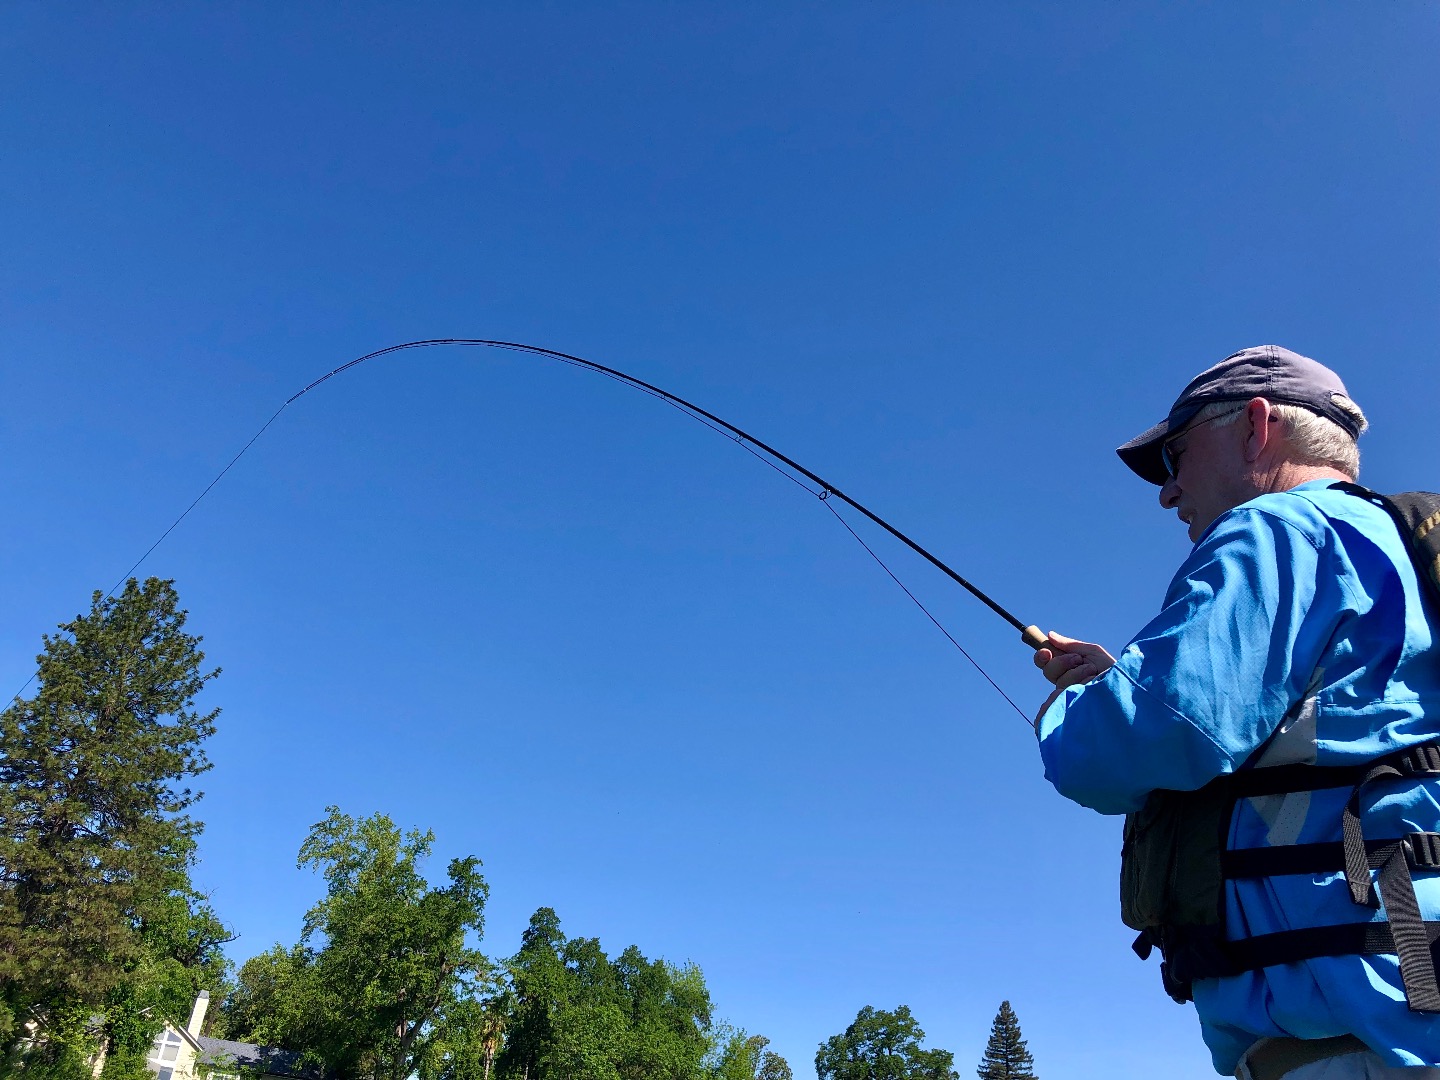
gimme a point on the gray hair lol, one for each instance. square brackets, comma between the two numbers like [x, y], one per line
[1314, 439]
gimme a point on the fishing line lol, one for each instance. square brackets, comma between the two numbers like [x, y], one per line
[218, 477]
[823, 489]
[840, 518]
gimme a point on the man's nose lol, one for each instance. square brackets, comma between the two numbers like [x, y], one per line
[1170, 494]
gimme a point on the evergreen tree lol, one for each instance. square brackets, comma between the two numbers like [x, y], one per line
[1006, 1057]
[95, 844]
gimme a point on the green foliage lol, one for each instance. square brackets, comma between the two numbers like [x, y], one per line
[881, 1045]
[468, 1034]
[1006, 1056]
[383, 985]
[744, 1057]
[578, 1014]
[126, 1064]
[773, 1067]
[274, 1001]
[66, 1049]
[382, 962]
[181, 955]
[96, 906]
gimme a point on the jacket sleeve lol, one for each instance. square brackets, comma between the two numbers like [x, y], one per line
[1245, 622]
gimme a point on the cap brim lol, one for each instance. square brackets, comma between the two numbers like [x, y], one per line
[1142, 453]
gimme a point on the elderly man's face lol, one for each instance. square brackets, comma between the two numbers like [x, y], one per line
[1210, 474]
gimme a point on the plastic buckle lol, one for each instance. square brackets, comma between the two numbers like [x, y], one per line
[1422, 849]
[1422, 760]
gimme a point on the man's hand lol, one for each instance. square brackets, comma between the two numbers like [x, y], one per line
[1066, 661]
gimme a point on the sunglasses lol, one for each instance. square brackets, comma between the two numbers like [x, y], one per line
[1171, 458]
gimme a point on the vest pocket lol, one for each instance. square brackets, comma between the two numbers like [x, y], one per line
[1170, 859]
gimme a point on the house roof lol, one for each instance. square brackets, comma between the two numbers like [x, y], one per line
[268, 1059]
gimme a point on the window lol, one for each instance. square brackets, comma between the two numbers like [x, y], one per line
[166, 1073]
[166, 1048]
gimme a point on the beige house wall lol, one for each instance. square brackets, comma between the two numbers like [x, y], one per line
[178, 1054]
[174, 1051]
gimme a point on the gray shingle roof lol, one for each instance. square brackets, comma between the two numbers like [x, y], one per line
[219, 1053]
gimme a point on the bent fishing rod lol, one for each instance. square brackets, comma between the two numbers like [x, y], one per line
[1030, 634]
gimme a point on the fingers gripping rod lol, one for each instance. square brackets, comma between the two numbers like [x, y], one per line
[1033, 636]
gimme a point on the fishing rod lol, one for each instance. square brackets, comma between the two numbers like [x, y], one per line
[1030, 634]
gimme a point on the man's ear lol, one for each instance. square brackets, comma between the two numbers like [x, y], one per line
[1260, 415]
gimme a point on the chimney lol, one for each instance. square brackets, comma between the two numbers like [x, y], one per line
[197, 1014]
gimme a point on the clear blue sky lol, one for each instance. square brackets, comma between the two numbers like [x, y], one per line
[949, 256]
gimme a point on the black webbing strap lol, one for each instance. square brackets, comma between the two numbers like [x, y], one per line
[1407, 926]
[1283, 779]
[1404, 933]
[1416, 761]
[1325, 858]
[1352, 837]
[1397, 889]
[1200, 952]
[1292, 946]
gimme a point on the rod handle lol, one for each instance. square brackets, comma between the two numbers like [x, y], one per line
[1035, 637]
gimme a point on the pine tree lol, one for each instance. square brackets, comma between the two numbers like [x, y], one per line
[1006, 1057]
[95, 844]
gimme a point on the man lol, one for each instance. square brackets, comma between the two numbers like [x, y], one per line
[1292, 672]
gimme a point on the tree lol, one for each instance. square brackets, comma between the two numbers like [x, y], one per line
[181, 954]
[882, 1046]
[95, 844]
[1006, 1057]
[669, 1016]
[773, 1067]
[383, 960]
[540, 985]
[744, 1057]
[468, 1037]
[577, 1014]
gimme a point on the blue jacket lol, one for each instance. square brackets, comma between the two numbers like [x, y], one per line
[1298, 615]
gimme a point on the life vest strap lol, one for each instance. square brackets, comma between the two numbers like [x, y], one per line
[1292, 946]
[1397, 888]
[1421, 848]
[1198, 952]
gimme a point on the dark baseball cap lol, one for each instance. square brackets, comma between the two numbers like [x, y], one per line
[1266, 371]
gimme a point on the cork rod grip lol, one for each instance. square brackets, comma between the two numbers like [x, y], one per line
[1034, 637]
